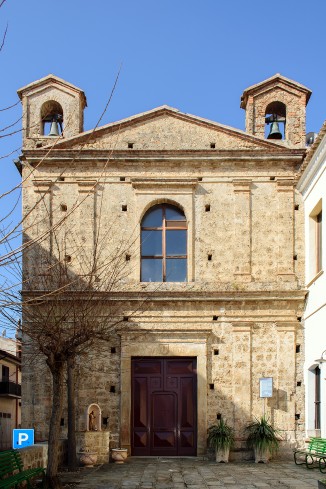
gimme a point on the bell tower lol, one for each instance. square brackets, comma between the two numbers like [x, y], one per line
[52, 108]
[276, 109]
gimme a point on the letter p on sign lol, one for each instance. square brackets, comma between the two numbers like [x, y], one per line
[22, 438]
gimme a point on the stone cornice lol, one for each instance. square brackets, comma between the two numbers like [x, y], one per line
[91, 155]
[179, 295]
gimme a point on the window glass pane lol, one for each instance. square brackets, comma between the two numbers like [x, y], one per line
[174, 213]
[151, 243]
[151, 270]
[153, 218]
[176, 270]
[176, 242]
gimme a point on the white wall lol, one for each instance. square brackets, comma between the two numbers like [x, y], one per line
[312, 185]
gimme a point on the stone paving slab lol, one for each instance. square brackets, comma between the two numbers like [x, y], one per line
[195, 473]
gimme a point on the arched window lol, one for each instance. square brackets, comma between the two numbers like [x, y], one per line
[164, 245]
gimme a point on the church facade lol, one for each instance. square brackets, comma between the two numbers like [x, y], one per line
[212, 292]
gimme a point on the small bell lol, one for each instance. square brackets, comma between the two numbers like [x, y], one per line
[54, 129]
[275, 132]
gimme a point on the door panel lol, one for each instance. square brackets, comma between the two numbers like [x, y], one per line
[164, 406]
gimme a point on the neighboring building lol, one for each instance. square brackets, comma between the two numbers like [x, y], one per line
[312, 186]
[217, 256]
[10, 390]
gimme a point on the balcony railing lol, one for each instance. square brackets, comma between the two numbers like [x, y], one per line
[10, 389]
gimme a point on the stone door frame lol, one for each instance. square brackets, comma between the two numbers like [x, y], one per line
[158, 345]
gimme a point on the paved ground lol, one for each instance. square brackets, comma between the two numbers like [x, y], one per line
[194, 473]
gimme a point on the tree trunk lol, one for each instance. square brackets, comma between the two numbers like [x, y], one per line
[57, 370]
[72, 459]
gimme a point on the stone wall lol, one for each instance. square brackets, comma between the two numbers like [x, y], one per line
[242, 305]
[97, 441]
[37, 455]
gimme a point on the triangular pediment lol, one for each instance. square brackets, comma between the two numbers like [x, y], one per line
[167, 129]
[52, 81]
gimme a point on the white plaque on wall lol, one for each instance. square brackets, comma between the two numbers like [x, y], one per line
[266, 387]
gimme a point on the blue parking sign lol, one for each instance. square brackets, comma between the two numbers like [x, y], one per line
[22, 438]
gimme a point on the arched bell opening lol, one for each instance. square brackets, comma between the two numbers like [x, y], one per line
[52, 119]
[275, 120]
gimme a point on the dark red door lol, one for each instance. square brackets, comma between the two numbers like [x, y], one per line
[164, 406]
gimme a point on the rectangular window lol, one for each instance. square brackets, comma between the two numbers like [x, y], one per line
[315, 241]
[5, 373]
[319, 241]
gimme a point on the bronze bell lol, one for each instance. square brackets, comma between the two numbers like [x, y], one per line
[54, 130]
[275, 132]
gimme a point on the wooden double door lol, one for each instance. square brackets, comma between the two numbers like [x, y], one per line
[164, 406]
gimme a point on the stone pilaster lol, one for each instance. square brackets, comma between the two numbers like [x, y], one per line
[242, 375]
[242, 229]
[285, 193]
[86, 218]
[286, 376]
[43, 244]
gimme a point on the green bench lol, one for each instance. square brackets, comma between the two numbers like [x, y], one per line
[313, 456]
[12, 471]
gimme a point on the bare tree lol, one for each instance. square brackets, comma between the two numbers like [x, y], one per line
[68, 309]
[54, 328]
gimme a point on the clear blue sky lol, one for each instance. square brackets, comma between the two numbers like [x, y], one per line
[197, 56]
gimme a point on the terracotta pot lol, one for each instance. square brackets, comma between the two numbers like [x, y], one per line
[222, 455]
[88, 459]
[119, 455]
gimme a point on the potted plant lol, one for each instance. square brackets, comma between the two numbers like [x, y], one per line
[262, 437]
[221, 438]
[322, 484]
